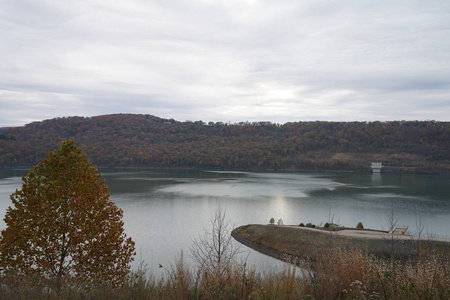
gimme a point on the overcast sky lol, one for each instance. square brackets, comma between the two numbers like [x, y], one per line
[232, 60]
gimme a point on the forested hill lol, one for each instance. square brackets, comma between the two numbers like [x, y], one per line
[131, 140]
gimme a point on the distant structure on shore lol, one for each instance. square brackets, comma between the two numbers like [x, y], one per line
[400, 231]
[376, 167]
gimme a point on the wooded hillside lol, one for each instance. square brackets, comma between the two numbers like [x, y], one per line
[132, 140]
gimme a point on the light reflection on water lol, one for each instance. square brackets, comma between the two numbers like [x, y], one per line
[165, 210]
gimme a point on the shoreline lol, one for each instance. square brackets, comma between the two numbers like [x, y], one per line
[290, 242]
[386, 170]
[258, 247]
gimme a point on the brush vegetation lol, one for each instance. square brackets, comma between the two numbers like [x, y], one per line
[330, 274]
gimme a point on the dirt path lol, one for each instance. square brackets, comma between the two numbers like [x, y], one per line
[369, 234]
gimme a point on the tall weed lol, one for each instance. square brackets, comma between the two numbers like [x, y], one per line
[331, 274]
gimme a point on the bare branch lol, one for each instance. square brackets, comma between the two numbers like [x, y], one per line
[215, 248]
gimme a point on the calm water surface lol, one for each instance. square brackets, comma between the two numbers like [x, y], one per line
[165, 210]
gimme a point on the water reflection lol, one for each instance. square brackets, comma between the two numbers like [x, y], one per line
[280, 208]
[376, 178]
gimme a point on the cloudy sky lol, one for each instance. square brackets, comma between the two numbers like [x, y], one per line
[233, 60]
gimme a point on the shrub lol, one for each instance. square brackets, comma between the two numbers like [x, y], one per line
[272, 220]
[359, 226]
[301, 225]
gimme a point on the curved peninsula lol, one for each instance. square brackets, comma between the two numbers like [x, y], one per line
[294, 242]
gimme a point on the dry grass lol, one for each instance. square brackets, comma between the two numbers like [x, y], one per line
[332, 274]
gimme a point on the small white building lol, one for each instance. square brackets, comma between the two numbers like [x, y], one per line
[400, 231]
[376, 167]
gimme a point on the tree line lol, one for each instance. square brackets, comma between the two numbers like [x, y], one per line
[137, 140]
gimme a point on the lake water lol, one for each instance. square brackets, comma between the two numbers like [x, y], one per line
[164, 210]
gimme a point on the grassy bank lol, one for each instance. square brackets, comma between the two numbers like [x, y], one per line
[299, 243]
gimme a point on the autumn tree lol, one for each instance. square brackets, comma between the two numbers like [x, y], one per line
[63, 226]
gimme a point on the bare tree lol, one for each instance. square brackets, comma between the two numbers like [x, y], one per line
[392, 218]
[216, 248]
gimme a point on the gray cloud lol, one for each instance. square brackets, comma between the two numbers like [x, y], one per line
[233, 60]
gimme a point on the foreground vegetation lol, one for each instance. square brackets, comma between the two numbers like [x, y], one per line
[337, 274]
[127, 140]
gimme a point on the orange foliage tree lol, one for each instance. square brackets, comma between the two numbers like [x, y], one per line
[62, 225]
